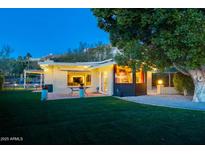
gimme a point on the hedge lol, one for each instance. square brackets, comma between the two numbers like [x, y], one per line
[183, 82]
[1, 81]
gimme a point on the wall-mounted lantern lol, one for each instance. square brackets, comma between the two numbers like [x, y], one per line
[160, 82]
[160, 86]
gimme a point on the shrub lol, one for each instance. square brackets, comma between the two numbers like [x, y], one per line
[1, 81]
[183, 83]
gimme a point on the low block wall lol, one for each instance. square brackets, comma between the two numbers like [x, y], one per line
[161, 90]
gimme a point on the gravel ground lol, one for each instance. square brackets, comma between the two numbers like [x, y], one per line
[173, 101]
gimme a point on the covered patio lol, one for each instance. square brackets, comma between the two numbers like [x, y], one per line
[36, 72]
[66, 78]
[161, 83]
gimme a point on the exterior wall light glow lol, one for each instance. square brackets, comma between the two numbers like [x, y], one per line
[160, 82]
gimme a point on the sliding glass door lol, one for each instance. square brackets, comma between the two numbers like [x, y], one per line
[104, 82]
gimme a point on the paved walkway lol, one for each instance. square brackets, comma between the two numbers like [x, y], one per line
[173, 101]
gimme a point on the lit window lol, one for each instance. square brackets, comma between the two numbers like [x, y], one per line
[123, 75]
[77, 78]
[140, 76]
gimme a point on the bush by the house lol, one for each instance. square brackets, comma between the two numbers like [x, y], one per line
[1, 81]
[183, 83]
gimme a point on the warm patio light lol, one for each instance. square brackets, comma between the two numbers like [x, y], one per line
[105, 74]
[160, 82]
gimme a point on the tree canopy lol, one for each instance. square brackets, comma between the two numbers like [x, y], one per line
[86, 52]
[6, 63]
[14, 66]
[167, 36]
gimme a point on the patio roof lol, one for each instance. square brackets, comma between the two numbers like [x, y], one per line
[40, 72]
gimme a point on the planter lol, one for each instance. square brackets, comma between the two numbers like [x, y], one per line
[81, 91]
[44, 93]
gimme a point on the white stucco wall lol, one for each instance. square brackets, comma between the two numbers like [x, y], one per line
[161, 90]
[53, 75]
[149, 82]
[48, 75]
[59, 81]
[94, 80]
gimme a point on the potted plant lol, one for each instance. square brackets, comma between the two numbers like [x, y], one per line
[81, 91]
[44, 93]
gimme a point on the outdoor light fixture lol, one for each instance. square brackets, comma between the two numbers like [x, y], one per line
[160, 82]
[15, 85]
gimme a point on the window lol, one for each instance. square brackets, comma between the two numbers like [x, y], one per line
[140, 76]
[88, 79]
[77, 78]
[167, 79]
[123, 75]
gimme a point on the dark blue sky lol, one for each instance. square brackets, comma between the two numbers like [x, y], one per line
[44, 31]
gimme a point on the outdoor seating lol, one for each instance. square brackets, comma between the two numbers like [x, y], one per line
[77, 89]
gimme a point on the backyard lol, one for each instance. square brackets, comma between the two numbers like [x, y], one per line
[99, 120]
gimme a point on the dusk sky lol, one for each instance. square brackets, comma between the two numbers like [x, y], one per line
[44, 31]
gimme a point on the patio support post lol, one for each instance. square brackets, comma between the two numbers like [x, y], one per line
[24, 79]
[114, 71]
[149, 80]
[169, 79]
[41, 80]
[134, 80]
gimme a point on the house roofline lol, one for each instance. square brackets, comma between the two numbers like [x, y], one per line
[88, 64]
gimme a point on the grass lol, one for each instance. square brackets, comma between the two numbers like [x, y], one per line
[102, 120]
[16, 88]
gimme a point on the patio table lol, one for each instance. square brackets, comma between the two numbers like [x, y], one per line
[77, 88]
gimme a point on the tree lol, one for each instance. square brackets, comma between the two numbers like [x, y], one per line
[1, 81]
[10, 68]
[169, 37]
[20, 65]
[86, 52]
[28, 58]
[5, 52]
[183, 83]
[6, 63]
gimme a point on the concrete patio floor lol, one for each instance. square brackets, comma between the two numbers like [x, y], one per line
[173, 101]
[56, 96]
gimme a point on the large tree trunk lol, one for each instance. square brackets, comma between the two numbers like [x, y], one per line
[198, 77]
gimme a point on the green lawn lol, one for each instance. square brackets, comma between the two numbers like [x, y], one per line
[103, 120]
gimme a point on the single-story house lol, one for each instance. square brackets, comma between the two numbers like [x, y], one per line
[106, 77]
